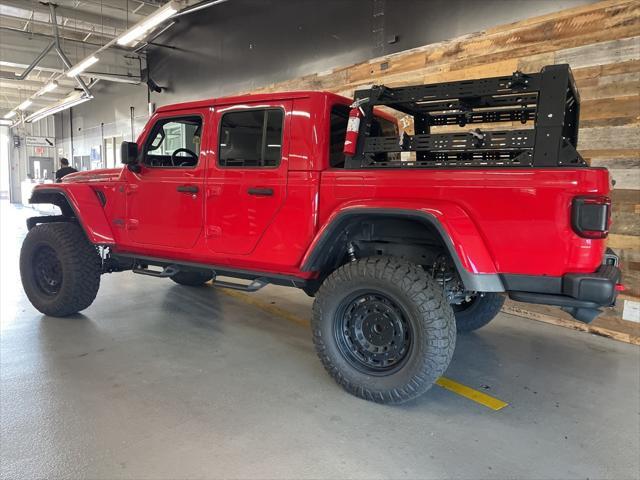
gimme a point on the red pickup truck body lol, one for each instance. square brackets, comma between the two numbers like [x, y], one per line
[400, 253]
[499, 221]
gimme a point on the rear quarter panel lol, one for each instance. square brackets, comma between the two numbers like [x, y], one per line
[521, 217]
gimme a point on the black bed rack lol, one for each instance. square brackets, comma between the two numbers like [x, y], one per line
[548, 100]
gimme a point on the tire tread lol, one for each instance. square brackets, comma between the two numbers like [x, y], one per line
[82, 266]
[481, 314]
[437, 322]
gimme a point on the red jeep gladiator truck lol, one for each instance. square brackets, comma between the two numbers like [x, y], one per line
[403, 239]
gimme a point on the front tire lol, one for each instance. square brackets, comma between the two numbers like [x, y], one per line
[383, 329]
[478, 312]
[60, 269]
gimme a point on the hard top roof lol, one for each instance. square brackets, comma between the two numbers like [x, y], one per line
[260, 97]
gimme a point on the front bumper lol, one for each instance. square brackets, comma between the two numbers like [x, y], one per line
[580, 294]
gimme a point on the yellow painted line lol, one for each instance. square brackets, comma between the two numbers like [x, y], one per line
[446, 383]
[472, 394]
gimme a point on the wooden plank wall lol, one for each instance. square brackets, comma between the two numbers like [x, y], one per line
[601, 42]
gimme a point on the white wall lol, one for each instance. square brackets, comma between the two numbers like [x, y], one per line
[4, 162]
[108, 115]
[19, 156]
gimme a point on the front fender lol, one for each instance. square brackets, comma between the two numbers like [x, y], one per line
[80, 201]
[459, 233]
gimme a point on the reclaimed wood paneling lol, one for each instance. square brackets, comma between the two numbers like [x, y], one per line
[601, 42]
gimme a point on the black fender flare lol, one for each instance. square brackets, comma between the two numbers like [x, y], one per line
[479, 282]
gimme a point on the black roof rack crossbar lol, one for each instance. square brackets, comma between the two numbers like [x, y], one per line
[548, 99]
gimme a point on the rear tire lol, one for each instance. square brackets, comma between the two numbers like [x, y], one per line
[192, 279]
[383, 329]
[60, 269]
[479, 312]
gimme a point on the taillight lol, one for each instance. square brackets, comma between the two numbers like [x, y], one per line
[590, 216]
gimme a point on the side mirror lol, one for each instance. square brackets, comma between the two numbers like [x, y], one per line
[129, 155]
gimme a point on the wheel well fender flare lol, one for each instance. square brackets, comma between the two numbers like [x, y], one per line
[80, 204]
[486, 281]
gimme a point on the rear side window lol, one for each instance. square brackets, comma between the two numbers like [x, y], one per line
[338, 130]
[380, 127]
[251, 138]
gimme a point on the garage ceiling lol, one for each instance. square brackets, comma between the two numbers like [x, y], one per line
[84, 27]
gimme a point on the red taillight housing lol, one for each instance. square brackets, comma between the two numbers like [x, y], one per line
[591, 216]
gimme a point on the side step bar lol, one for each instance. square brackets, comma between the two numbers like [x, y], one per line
[254, 286]
[170, 270]
[167, 271]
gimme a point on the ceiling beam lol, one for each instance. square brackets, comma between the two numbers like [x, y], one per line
[71, 13]
[7, 77]
[23, 93]
[37, 27]
[17, 50]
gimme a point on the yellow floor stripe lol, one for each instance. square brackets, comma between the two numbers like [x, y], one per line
[468, 392]
[446, 383]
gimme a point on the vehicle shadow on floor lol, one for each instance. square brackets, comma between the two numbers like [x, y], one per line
[495, 359]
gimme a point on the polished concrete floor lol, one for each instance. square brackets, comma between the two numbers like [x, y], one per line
[157, 380]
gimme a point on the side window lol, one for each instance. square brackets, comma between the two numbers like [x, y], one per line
[174, 142]
[380, 127]
[251, 138]
[338, 130]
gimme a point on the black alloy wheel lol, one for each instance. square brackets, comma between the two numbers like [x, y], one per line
[47, 270]
[372, 333]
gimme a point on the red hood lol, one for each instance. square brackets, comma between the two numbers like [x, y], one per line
[100, 175]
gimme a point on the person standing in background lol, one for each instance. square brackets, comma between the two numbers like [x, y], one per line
[65, 169]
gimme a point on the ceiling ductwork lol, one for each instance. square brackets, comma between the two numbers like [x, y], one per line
[106, 46]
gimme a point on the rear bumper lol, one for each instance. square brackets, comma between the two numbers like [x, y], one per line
[580, 294]
[598, 287]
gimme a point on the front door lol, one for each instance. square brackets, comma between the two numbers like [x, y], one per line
[165, 199]
[247, 183]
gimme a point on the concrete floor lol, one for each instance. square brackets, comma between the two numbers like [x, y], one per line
[157, 380]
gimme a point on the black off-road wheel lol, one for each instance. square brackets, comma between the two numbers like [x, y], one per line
[60, 269]
[192, 279]
[478, 312]
[383, 329]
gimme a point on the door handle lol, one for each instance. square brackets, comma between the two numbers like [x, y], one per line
[260, 191]
[187, 189]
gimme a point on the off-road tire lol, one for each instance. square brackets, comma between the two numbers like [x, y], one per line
[427, 314]
[192, 279]
[77, 261]
[480, 312]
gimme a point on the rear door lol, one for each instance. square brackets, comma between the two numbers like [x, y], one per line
[247, 183]
[165, 199]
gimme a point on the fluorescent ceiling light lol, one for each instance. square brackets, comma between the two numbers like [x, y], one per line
[49, 87]
[140, 29]
[70, 101]
[11, 114]
[5, 123]
[200, 6]
[82, 66]
[24, 105]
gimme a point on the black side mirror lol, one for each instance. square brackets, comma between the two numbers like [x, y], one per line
[129, 155]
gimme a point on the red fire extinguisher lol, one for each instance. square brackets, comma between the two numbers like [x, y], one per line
[353, 127]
